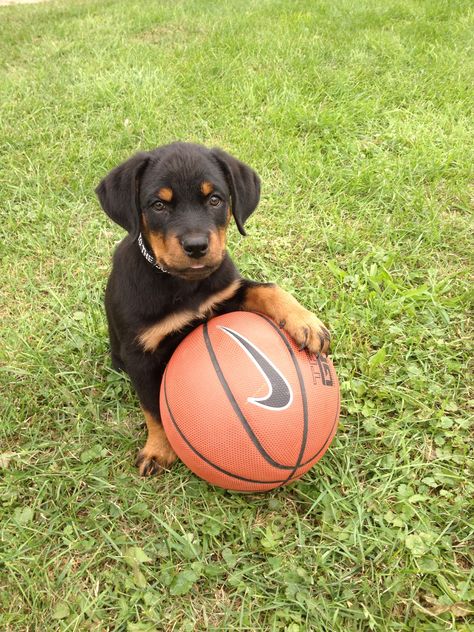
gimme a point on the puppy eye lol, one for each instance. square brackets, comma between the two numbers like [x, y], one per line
[214, 200]
[159, 205]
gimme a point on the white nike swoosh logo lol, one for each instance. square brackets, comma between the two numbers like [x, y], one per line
[280, 394]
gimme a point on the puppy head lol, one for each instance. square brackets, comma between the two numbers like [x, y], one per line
[181, 196]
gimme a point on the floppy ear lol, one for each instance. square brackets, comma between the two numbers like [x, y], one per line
[244, 186]
[119, 193]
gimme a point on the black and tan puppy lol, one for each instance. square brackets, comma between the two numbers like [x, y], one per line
[173, 271]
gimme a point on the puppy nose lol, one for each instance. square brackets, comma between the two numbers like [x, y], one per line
[195, 245]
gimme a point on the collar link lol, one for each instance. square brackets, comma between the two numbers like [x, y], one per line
[148, 256]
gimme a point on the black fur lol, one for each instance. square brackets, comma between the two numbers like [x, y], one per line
[119, 193]
[137, 294]
[244, 187]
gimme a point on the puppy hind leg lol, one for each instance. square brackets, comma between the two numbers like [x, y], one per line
[157, 454]
[116, 359]
[117, 362]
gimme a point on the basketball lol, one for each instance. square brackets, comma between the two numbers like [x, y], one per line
[244, 408]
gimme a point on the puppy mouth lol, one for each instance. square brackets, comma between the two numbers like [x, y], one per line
[194, 271]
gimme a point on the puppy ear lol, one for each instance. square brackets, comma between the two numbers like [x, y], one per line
[119, 193]
[244, 186]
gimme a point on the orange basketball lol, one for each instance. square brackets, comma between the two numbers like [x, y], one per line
[244, 408]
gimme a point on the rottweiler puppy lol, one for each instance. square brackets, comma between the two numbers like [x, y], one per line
[172, 271]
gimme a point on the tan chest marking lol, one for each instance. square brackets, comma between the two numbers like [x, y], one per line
[205, 309]
[151, 337]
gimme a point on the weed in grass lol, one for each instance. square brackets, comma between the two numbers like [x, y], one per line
[358, 117]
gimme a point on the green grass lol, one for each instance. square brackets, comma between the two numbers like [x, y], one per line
[358, 117]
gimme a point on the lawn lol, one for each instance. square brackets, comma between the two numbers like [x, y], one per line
[359, 118]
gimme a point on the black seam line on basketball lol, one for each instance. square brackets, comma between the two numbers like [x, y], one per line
[236, 407]
[201, 456]
[329, 434]
[303, 396]
[338, 397]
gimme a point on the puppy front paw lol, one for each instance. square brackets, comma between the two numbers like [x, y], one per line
[156, 456]
[306, 330]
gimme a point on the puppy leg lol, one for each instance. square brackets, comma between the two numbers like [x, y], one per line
[117, 362]
[302, 325]
[116, 359]
[157, 454]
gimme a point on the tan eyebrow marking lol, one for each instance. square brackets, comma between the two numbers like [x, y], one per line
[206, 187]
[166, 194]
